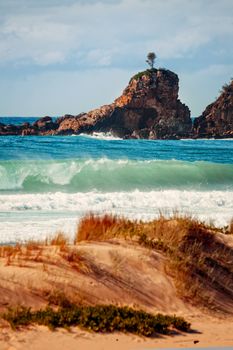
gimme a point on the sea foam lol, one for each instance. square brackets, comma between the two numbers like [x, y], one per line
[34, 216]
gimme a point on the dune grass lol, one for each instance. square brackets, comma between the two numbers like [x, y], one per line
[99, 318]
[19, 253]
[98, 228]
[59, 239]
[229, 230]
[200, 263]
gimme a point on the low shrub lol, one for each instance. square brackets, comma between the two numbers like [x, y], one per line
[140, 74]
[100, 318]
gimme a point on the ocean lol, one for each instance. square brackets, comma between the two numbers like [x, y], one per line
[48, 183]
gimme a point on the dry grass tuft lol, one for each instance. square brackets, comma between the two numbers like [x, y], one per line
[60, 239]
[98, 228]
[200, 263]
[20, 254]
[58, 298]
[33, 245]
[10, 252]
[230, 228]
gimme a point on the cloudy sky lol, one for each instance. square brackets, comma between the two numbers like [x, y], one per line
[69, 56]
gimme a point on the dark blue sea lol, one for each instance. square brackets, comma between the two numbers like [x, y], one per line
[48, 183]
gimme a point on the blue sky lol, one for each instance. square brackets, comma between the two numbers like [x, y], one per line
[71, 56]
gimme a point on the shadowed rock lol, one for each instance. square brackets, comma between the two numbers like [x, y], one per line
[217, 119]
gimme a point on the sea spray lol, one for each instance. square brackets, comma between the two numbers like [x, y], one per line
[35, 216]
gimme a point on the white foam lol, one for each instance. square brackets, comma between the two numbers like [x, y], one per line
[102, 136]
[35, 216]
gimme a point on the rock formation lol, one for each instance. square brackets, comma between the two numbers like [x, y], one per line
[148, 108]
[217, 119]
[43, 126]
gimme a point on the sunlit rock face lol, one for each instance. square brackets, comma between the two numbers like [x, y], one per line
[148, 108]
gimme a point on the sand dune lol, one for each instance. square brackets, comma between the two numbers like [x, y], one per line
[114, 271]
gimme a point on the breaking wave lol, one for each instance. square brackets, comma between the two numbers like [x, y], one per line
[107, 175]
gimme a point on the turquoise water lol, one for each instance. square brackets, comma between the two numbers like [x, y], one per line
[48, 183]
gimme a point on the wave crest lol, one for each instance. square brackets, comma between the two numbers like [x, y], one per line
[77, 175]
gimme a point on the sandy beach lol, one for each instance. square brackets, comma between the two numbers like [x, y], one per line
[207, 332]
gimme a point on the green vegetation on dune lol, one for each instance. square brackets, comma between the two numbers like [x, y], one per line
[99, 318]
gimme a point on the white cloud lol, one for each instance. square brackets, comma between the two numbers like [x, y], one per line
[103, 42]
[62, 30]
[35, 38]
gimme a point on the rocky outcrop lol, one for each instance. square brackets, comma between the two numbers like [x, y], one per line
[43, 126]
[148, 108]
[217, 119]
[9, 129]
[85, 122]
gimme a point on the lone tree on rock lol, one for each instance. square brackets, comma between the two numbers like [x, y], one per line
[151, 59]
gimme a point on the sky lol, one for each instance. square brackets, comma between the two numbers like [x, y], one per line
[70, 56]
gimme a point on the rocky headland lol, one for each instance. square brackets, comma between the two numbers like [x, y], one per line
[149, 108]
[217, 119]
